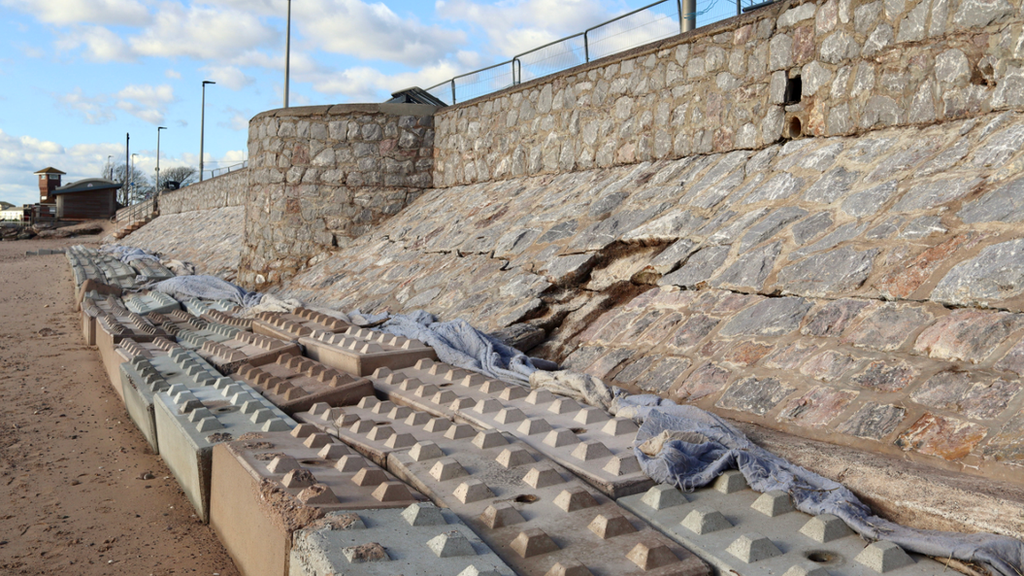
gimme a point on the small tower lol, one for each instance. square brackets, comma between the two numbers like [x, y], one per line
[49, 180]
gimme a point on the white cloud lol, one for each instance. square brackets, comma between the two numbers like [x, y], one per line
[372, 31]
[239, 120]
[29, 51]
[202, 33]
[172, 74]
[365, 84]
[64, 12]
[101, 45]
[95, 109]
[21, 156]
[228, 76]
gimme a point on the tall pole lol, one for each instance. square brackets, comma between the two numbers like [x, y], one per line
[110, 167]
[202, 128]
[287, 54]
[158, 129]
[127, 139]
[134, 188]
[689, 15]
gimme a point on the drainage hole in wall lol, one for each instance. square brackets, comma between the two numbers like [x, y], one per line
[821, 557]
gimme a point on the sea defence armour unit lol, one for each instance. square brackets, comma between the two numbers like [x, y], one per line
[360, 351]
[532, 512]
[584, 439]
[295, 384]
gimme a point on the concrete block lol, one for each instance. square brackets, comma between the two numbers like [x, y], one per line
[295, 384]
[586, 440]
[297, 324]
[443, 546]
[112, 328]
[198, 307]
[360, 351]
[721, 524]
[191, 421]
[535, 514]
[226, 319]
[246, 348]
[267, 485]
[148, 371]
[144, 303]
[151, 269]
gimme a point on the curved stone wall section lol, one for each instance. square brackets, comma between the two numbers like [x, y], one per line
[322, 176]
[815, 286]
[861, 65]
[220, 192]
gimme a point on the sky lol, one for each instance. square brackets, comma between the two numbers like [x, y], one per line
[77, 76]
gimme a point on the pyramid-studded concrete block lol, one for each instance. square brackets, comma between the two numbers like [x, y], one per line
[722, 524]
[587, 440]
[535, 514]
[115, 326]
[217, 317]
[295, 383]
[149, 372]
[246, 348]
[151, 269]
[197, 307]
[360, 351]
[297, 324]
[386, 542]
[191, 420]
[145, 303]
[265, 484]
[774, 503]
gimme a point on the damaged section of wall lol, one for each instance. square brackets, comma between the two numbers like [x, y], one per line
[812, 287]
[837, 67]
[321, 176]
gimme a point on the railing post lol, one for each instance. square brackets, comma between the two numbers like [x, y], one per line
[453, 91]
[690, 8]
[739, 9]
[586, 46]
[679, 7]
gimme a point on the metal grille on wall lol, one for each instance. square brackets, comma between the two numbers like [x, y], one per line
[644, 25]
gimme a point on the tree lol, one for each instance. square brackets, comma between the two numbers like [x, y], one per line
[139, 187]
[183, 175]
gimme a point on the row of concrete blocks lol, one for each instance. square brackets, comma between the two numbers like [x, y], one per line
[392, 446]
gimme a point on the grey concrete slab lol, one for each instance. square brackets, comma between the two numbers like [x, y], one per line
[218, 317]
[151, 269]
[151, 302]
[246, 348]
[267, 485]
[584, 439]
[191, 421]
[504, 490]
[198, 307]
[360, 351]
[295, 383]
[295, 325]
[421, 539]
[147, 373]
[741, 531]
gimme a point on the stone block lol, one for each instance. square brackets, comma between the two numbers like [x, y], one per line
[995, 275]
[943, 436]
[361, 352]
[771, 317]
[967, 335]
[874, 421]
[754, 395]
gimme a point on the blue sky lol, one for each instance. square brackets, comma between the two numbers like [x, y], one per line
[77, 75]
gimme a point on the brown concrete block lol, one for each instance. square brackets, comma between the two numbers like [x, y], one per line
[361, 352]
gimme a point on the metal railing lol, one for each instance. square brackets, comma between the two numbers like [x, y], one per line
[219, 171]
[644, 25]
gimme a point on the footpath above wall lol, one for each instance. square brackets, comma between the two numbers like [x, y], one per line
[862, 65]
[814, 287]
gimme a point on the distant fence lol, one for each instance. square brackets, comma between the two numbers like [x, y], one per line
[651, 23]
[218, 171]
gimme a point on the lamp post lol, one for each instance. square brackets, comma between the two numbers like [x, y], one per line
[110, 167]
[287, 53]
[131, 175]
[202, 128]
[158, 129]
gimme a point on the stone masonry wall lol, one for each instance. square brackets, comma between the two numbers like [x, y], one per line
[865, 291]
[322, 176]
[220, 192]
[862, 65]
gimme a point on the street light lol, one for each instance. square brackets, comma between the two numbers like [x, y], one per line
[158, 129]
[287, 53]
[202, 128]
[131, 175]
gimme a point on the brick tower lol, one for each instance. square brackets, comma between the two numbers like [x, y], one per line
[49, 180]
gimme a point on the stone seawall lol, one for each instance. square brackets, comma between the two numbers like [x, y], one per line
[322, 176]
[837, 67]
[222, 191]
[866, 291]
